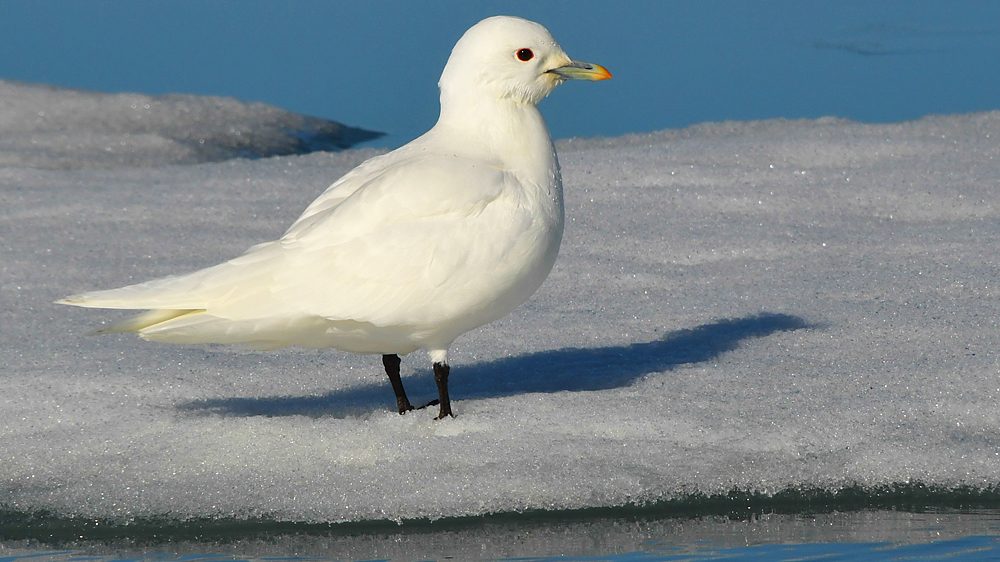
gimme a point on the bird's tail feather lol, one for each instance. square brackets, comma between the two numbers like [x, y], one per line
[145, 320]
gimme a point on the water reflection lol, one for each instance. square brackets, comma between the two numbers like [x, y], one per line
[860, 535]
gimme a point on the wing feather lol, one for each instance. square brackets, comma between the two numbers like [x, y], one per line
[390, 244]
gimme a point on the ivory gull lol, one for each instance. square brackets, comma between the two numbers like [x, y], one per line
[410, 249]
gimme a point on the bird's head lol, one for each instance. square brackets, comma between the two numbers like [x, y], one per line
[511, 58]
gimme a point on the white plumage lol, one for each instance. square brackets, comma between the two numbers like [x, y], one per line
[410, 249]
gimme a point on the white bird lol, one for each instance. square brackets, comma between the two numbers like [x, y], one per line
[410, 249]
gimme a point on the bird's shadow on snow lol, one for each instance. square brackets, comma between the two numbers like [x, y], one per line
[560, 370]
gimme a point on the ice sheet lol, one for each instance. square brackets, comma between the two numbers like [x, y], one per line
[57, 128]
[762, 306]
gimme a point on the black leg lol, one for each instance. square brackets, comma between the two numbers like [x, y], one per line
[441, 378]
[391, 363]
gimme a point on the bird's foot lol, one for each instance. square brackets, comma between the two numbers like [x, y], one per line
[441, 371]
[428, 405]
[444, 412]
[391, 362]
[403, 405]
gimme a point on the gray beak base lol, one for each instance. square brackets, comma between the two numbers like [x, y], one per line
[578, 70]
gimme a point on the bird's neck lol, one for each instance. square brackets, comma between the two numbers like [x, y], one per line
[512, 136]
[507, 129]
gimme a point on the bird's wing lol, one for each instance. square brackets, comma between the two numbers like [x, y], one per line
[400, 248]
[193, 291]
[350, 182]
[383, 254]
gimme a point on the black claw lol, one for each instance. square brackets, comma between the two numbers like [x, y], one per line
[403, 406]
[434, 402]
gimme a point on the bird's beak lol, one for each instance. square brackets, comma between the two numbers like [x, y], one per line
[577, 70]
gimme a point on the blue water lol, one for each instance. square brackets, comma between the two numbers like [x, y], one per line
[376, 64]
[967, 548]
[972, 534]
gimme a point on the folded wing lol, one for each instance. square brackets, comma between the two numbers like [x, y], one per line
[379, 248]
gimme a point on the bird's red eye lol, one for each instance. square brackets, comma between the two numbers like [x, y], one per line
[524, 55]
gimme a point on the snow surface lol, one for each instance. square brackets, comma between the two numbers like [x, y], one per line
[47, 127]
[762, 305]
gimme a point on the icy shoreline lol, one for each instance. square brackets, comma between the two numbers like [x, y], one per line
[883, 533]
[58, 128]
[759, 306]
